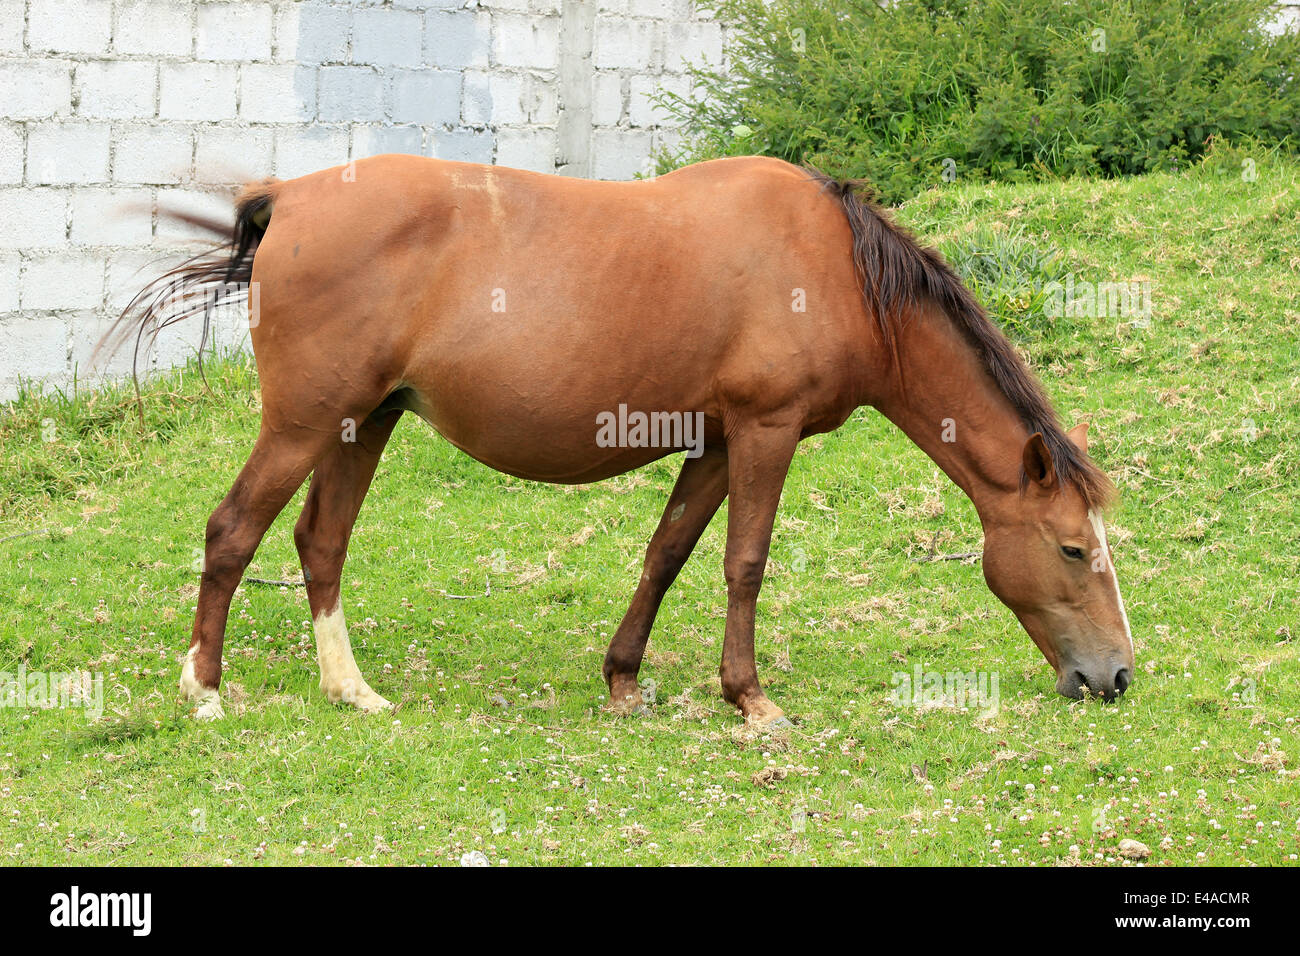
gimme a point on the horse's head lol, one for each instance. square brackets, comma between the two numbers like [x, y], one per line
[1047, 559]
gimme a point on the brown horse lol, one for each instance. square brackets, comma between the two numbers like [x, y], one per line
[516, 312]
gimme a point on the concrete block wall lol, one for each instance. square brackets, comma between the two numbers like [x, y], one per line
[1288, 16]
[111, 109]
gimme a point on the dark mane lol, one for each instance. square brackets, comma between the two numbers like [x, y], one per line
[897, 273]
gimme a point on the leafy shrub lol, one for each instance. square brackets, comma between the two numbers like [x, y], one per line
[898, 93]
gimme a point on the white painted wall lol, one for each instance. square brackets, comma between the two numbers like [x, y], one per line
[112, 108]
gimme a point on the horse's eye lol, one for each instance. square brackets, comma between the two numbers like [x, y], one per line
[1074, 554]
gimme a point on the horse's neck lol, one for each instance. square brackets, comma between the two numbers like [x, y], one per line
[949, 405]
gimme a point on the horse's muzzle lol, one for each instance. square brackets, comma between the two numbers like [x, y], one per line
[1108, 683]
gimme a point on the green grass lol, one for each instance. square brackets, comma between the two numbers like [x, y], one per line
[1198, 761]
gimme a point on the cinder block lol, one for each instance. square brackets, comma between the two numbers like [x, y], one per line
[87, 329]
[695, 42]
[377, 140]
[9, 263]
[284, 32]
[540, 100]
[428, 97]
[12, 150]
[152, 154]
[642, 110]
[303, 150]
[619, 153]
[112, 217]
[210, 204]
[607, 99]
[323, 33]
[506, 92]
[69, 26]
[522, 98]
[659, 9]
[117, 89]
[62, 280]
[43, 213]
[526, 41]
[350, 94]
[386, 37]
[12, 21]
[667, 139]
[62, 153]
[226, 154]
[33, 348]
[524, 148]
[34, 89]
[476, 100]
[233, 31]
[129, 271]
[624, 44]
[154, 27]
[463, 145]
[174, 345]
[457, 40]
[197, 92]
[277, 93]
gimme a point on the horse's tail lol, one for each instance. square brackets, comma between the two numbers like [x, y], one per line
[199, 284]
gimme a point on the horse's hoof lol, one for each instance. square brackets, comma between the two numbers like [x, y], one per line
[769, 725]
[630, 706]
[207, 699]
[210, 709]
[763, 715]
[361, 696]
[372, 704]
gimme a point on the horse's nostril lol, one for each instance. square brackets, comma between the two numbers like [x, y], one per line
[1122, 679]
[1076, 685]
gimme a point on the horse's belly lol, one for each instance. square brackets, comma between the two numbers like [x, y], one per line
[566, 445]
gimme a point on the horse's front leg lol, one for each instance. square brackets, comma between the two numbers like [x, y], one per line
[759, 457]
[699, 491]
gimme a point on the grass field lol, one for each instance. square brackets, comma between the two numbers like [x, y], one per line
[499, 743]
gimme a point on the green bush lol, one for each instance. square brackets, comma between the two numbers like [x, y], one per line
[902, 93]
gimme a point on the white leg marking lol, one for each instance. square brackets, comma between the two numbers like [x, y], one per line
[340, 678]
[1100, 530]
[208, 699]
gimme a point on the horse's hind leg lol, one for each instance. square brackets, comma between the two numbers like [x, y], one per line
[338, 487]
[700, 489]
[276, 468]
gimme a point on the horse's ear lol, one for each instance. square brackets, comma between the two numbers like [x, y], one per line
[1079, 436]
[1038, 462]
